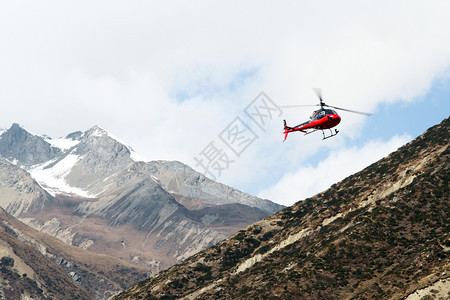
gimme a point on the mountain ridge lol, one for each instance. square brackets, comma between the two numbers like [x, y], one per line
[88, 190]
[98, 152]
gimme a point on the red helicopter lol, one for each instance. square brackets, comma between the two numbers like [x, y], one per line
[323, 118]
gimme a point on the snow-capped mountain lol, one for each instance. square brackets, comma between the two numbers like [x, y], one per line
[55, 163]
[84, 163]
[91, 190]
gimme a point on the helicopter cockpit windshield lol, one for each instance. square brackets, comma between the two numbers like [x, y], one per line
[318, 114]
[330, 112]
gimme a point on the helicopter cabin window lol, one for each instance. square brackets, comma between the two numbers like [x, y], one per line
[322, 113]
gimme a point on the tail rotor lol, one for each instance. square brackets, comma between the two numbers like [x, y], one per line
[286, 130]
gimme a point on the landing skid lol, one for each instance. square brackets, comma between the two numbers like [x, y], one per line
[323, 133]
[331, 134]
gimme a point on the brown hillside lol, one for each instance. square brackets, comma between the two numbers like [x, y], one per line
[100, 275]
[382, 233]
[25, 272]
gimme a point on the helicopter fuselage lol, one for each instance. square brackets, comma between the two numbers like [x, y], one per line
[321, 119]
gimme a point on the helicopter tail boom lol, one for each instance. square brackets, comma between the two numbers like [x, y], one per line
[288, 129]
[285, 134]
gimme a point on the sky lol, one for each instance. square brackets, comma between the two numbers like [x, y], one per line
[207, 82]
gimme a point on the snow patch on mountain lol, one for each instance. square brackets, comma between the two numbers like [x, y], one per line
[136, 157]
[53, 179]
[57, 175]
[62, 143]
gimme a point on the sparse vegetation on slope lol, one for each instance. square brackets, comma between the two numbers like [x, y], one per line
[26, 274]
[93, 275]
[382, 233]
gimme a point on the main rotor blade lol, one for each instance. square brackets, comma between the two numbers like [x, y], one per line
[318, 93]
[349, 110]
[299, 105]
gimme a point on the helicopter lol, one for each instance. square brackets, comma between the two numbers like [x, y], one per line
[321, 119]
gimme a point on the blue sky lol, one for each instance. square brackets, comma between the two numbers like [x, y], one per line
[390, 120]
[411, 118]
[173, 77]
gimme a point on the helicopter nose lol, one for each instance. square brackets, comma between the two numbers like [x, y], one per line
[335, 119]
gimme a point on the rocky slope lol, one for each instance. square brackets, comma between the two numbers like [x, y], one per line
[196, 191]
[382, 233]
[26, 274]
[90, 190]
[20, 194]
[37, 266]
[17, 144]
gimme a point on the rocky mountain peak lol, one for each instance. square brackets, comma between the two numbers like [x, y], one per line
[16, 127]
[24, 148]
[96, 131]
[102, 145]
[97, 140]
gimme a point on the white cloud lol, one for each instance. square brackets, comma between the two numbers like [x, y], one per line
[167, 77]
[308, 180]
